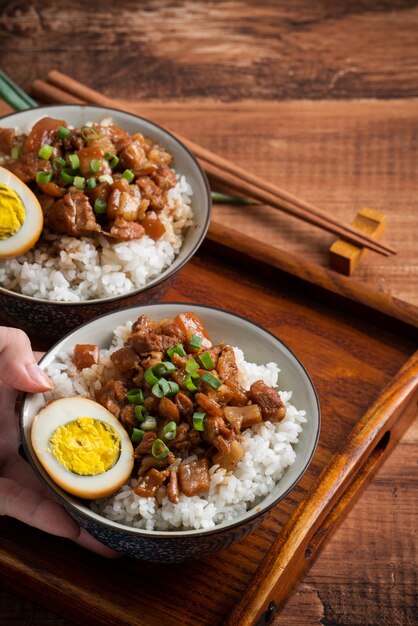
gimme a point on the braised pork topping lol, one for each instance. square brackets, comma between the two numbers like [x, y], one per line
[180, 399]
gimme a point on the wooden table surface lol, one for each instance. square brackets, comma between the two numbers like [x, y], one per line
[321, 99]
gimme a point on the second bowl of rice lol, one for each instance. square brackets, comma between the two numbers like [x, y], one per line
[63, 281]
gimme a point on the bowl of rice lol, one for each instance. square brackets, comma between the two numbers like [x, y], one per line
[70, 276]
[274, 451]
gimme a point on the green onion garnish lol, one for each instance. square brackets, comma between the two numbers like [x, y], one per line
[149, 376]
[157, 390]
[206, 360]
[135, 396]
[177, 349]
[174, 388]
[163, 368]
[79, 182]
[128, 175]
[100, 206]
[165, 386]
[58, 162]
[170, 431]
[46, 151]
[95, 166]
[62, 132]
[210, 380]
[106, 178]
[74, 161]
[16, 152]
[139, 412]
[112, 158]
[43, 177]
[159, 450]
[89, 134]
[190, 385]
[137, 435]
[149, 423]
[113, 162]
[91, 183]
[199, 421]
[66, 177]
[195, 342]
[191, 366]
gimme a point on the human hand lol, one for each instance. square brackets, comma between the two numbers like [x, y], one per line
[22, 495]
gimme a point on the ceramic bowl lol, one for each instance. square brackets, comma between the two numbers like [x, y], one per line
[60, 317]
[259, 346]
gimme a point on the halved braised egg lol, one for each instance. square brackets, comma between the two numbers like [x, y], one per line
[83, 447]
[21, 216]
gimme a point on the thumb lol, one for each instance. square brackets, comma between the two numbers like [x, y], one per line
[18, 367]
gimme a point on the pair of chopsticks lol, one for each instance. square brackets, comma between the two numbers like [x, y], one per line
[61, 88]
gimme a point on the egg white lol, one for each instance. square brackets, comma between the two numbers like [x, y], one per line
[31, 229]
[60, 412]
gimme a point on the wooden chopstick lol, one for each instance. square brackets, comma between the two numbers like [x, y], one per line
[65, 89]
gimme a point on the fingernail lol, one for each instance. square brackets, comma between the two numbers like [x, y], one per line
[38, 376]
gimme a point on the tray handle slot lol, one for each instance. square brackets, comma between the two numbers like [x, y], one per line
[340, 482]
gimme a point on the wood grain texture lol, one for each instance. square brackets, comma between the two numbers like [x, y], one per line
[228, 50]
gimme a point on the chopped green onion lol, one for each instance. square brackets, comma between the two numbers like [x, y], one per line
[188, 381]
[89, 134]
[62, 132]
[139, 412]
[46, 151]
[150, 423]
[195, 342]
[91, 183]
[211, 380]
[16, 152]
[191, 366]
[165, 386]
[66, 177]
[170, 431]
[199, 421]
[149, 376]
[112, 158]
[157, 391]
[137, 435]
[135, 396]
[177, 349]
[113, 162]
[74, 161]
[163, 368]
[159, 450]
[95, 165]
[79, 182]
[174, 388]
[206, 360]
[43, 177]
[106, 178]
[58, 162]
[100, 206]
[128, 175]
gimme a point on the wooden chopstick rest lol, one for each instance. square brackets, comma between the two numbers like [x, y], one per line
[344, 256]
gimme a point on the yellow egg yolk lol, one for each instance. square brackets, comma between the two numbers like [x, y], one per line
[12, 212]
[86, 446]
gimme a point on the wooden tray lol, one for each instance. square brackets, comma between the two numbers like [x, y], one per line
[353, 355]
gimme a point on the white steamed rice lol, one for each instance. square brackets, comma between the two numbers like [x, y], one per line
[70, 269]
[268, 452]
